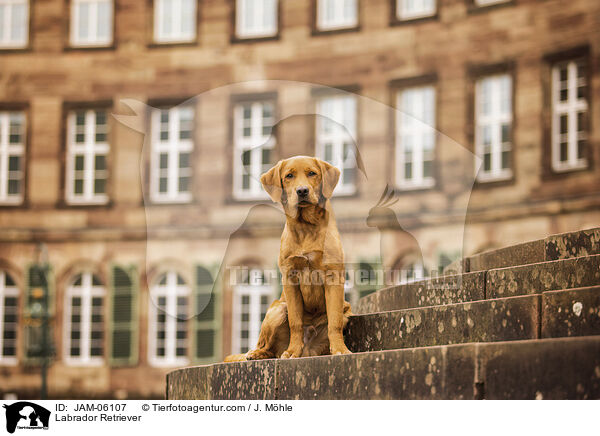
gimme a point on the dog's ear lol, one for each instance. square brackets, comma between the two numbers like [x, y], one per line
[329, 175]
[271, 182]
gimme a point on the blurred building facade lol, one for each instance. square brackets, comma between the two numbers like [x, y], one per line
[137, 226]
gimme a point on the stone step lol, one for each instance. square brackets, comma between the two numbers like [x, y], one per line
[575, 312]
[545, 276]
[503, 319]
[431, 292]
[520, 254]
[563, 368]
[572, 312]
[554, 247]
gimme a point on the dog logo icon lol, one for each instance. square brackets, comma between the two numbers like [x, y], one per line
[26, 415]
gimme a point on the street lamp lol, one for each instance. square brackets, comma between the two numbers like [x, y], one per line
[39, 311]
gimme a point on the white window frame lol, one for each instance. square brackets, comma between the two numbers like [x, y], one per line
[86, 292]
[93, 39]
[8, 150]
[337, 126]
[89, 149]
[254, 292]
[341, 19]
[494, 120]
[571, 108]
[173, 147]
[6, 41]
[405, 12]
[261, 29]
[255, 143]
[7, 291]
[171, 291]
[420, 125]
[177, 34]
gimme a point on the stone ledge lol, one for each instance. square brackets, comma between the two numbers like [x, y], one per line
[564, 368]
[545, 276]
[573, 244]
[520, 254]
[441, 290]
[481, 321]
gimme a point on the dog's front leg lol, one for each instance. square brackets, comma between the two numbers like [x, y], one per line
[295, 307]
[334, 301]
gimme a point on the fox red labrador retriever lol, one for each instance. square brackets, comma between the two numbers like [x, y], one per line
[310, 316]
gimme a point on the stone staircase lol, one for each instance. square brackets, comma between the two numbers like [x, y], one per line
[521, 322]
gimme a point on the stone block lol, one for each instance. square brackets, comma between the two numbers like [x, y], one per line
[574, 244]
[520, 254]
[545, 276]
[571, 313]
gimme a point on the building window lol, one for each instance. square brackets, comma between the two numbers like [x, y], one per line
[493, 127]
[337, 14]
[172, 146]
[84, 320]
[12, 156]
[9, 312]
[14, 23]
[569, 115]
[335, 143]
[253, 147]
[412, 9]
[251, 301]
[415, 137]
[91, 22]
[175, 20]
[168, 315]
[256, 18]
[87, 150]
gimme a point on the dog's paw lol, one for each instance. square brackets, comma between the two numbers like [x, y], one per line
[258, 355]
[339, 350]
[290, 354]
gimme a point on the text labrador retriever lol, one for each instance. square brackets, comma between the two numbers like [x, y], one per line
[310, 316]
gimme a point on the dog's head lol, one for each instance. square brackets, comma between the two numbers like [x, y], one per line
[300, 182]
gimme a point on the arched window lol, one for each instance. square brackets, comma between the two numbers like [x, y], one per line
[168, 320]
[84, 320]
[9, 299]
[251, 300]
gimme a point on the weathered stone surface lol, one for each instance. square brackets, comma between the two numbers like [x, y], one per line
[253, 380]
[488, 320]
[223, 381]
[191, 383]
[574, 244]
[545, 276]
[423, 373]
[571, 313]
[559, 368]
[441, 290]
[520, 254]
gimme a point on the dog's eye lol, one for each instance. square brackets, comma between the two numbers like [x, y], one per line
[289, 176]
[311, 173]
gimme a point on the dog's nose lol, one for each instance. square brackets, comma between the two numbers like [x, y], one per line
[302, 191]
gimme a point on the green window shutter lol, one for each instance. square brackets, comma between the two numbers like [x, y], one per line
[37, 281]
[123, 335]
[206, 320]
[366, 279]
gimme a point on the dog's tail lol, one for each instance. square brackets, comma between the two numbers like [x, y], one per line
[236, 358]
